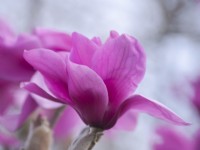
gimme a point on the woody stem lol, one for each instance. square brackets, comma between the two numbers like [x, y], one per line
[87, 139]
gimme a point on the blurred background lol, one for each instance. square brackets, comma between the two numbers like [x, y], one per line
[169, 31]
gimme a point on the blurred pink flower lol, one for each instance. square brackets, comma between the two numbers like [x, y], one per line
[55, 40]
[15, 104]
[13, 70]
[174, 140]
[9, 141]
[97, 80]
[13, 66]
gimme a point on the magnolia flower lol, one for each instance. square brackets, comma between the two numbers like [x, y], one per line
[14, 69]
[173, 140]
[97, 80]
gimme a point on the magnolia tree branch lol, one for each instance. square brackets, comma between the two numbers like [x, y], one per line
[87, 139]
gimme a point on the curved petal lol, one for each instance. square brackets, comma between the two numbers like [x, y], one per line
[156, 109]
[34, 88]
[51, 65]
[42, 94]
[54, 40]
[83, 49]
[88, 93]
[121, 64]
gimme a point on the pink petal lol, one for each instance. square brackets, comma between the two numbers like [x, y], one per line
[83, 49]
[6, 31]
[51, 65]
[34, 88]
[121, 64]
[197, 139]
[172, 140]
[13, 66]
[53, 39]
[6, 96]
[8, 140]
[97, 41]
[26, 41]
[28, 108]
[88, 93]
[114, 34]
[14, 121]
[67, 123]
[127, 122]
[46, 99]
[141, 104]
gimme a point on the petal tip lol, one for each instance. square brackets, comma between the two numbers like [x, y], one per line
[114, 34]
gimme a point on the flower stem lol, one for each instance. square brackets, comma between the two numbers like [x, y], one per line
[56, 115]
[87, 139]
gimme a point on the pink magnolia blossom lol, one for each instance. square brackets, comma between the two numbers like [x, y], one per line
[14, 69]
[97, 80]
[173, 140]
